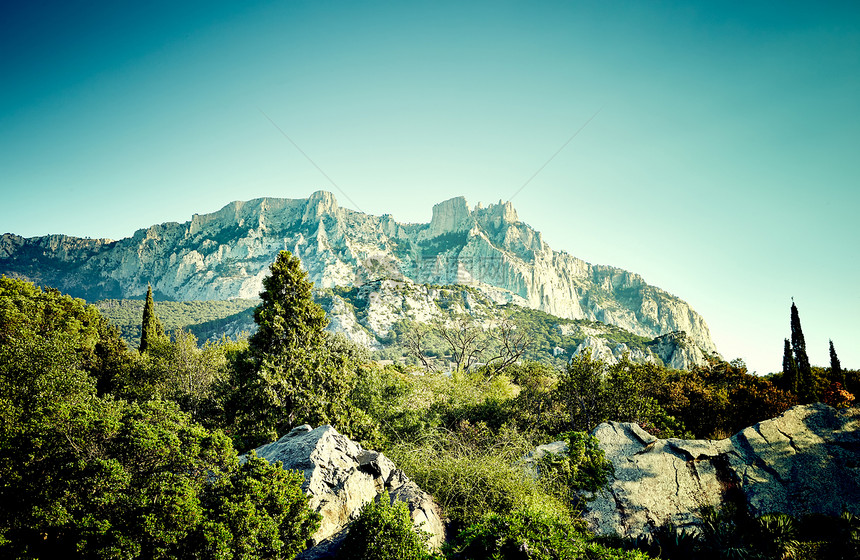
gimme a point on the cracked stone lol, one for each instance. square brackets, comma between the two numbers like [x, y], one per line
[803, 462]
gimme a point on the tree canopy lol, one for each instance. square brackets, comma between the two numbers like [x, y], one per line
[84, 475]
[291, 374]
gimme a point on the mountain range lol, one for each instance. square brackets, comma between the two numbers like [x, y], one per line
[226, 255]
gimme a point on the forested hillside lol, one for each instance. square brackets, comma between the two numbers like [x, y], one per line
[205, 319]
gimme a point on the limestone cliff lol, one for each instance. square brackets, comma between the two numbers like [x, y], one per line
[226, 254]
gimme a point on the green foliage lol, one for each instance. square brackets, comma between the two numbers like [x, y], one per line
[255, 511]
[382, 531]
[668, 541]
[527, 534]
[777, 536]
[592, 392]
[730, 533]
[805, 383]
[83, 475]
[293, 372]
[789, 369]
[538, 408]
[87, 475]
[103, 478]
[473, 471]
[721, 398]
[835, 367]
[580, 390]
[204, 319]
[181, 371]
[444, 242]
[27, 311]
[150, 329]
[583, 468]
[393, 402]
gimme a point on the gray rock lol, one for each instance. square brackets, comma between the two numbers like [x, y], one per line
[341, 476]
[805, 461]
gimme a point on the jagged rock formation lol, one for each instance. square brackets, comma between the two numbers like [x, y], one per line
[369, 313]
[226, 254]
[805, 461]
[340, 477]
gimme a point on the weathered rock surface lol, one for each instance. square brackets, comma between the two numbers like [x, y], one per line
[340, 477]
[226, 254]
[805, 461]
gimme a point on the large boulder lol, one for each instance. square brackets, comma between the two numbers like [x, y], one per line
[341, 476]
[805, 461]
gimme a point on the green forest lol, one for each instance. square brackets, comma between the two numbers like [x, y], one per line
[108, 451]
[201, 318]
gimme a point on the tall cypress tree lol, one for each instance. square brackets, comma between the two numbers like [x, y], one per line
[835, 367]
[151, 328]
[789, 369]
[805, 389]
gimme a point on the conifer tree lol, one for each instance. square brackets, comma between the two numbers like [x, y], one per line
[789, 369]
[835, 367]
[805, 390]
[289, 375]
[151, 328]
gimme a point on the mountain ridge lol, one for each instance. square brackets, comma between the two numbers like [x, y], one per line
[226, 254]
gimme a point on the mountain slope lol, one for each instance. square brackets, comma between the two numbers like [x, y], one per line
[226, 254]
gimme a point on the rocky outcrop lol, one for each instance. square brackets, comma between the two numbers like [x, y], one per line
[805, 461]
[226, 255]
[368, 315]
[340, 477]
[675, 350]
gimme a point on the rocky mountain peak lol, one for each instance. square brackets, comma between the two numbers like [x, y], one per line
[226, 254]
[319, 204]
[450, 216]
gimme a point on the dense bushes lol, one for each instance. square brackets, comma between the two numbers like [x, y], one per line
[472, 471]
[531, 535]
[721, 398]
[384, 531]
[87, 475]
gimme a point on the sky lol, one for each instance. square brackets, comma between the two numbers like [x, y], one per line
[711, 147]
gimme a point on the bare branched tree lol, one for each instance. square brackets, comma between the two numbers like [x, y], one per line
[511, 345]
[466, 339]
[416, 343]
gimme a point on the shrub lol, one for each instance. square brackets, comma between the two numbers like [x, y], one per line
[473, 472]
[255, 511]
[529, 534]
[519, 534]
[583, 468]
[382, 531]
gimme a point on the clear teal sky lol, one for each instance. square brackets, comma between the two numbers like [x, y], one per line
[723, 166]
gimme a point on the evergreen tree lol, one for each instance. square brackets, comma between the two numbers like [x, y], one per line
[789, 369]
[151, 327]
[835, 367]
[290, 375]
[806, 392]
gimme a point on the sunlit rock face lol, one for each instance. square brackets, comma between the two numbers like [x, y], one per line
[800, 463]
[226, 254]
[341, 477]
